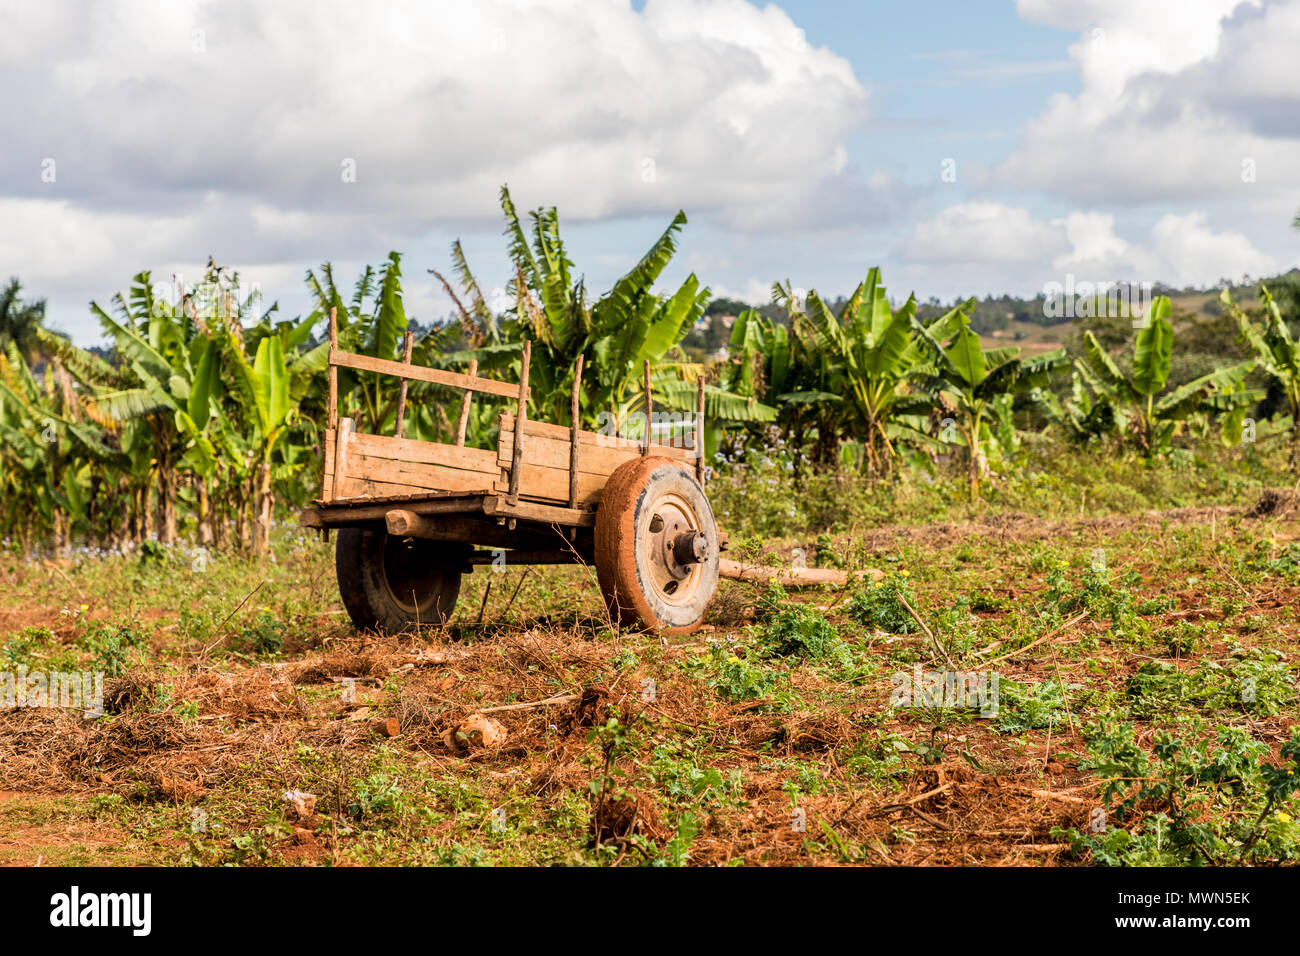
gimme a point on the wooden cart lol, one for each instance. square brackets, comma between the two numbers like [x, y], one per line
[413, 516]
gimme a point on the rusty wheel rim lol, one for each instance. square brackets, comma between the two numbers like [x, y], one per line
[674, 581]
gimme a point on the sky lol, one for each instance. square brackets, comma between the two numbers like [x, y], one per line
[966, 148]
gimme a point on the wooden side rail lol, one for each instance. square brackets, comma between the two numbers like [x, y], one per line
[419, 373]
[338, 481]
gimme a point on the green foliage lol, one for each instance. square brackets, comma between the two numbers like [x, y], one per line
[1195, 800]
[1136, 401]
[265, 635]
[111, 648]
[878, 605]
[1023, 706]
[377, 795]
[802, 631]
[208, 412]
[733, 677]
[1254, 681]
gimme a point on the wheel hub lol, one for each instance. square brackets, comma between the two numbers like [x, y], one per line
[675, 547]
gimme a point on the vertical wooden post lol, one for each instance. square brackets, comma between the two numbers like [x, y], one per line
[649, 408]
[463, 423]
[333, 407]
[699, 432]
[407, 344]
[521, 416]
[574, 433]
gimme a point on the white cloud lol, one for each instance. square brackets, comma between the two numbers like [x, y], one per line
[1179, 250]
[1178, 99]
[1191, 253]
[1092, 239]
[753, 291]
[983, 232]
[711, 104]
[183, 127]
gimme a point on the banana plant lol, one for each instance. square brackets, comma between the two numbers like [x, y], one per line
[760, 350]
[20, 321]
[169, 371]
[271, 388]
[864, 367]
[49, 450]
[616, 334]
[372, 322]
[1139, 399]
[978, 384]
[1083, 419]
[1277, 353]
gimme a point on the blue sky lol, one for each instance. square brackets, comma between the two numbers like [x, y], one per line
[805, 140]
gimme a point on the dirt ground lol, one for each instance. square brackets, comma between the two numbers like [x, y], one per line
[249, 724]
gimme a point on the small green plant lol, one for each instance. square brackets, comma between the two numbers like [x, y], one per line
[376, 795]
[802, 631]
[18, 650]
[1024, 706]
[827, 557]
[677, 851]
[880, 604]
[1183, 639]
[152, 554]
[265, 635]
[878, 757]
[733, 677]
[617, 740]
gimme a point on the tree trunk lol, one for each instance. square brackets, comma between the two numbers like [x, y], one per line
[122, 532]
[205, 533]
[220, 515]
[166, 502]
[241, 514]
[262, 540]
[148, 502]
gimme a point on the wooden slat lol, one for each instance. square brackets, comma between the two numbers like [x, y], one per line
[462, 423]
[360, 488]
[343, 439]
[554, 453]
[575, 432]
[425, 452]
[368, 363]
[552, 484]
[699, 432]
[649, 409]
[415, 475]
[332, 409]
[561, 433]
[408, 343]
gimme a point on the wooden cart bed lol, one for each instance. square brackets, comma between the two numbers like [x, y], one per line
[538, 472]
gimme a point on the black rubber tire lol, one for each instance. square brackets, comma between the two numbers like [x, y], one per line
[633, 493]
[391, 584]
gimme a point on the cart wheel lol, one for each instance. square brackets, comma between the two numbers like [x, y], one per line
[656, 546]
[390, 584]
